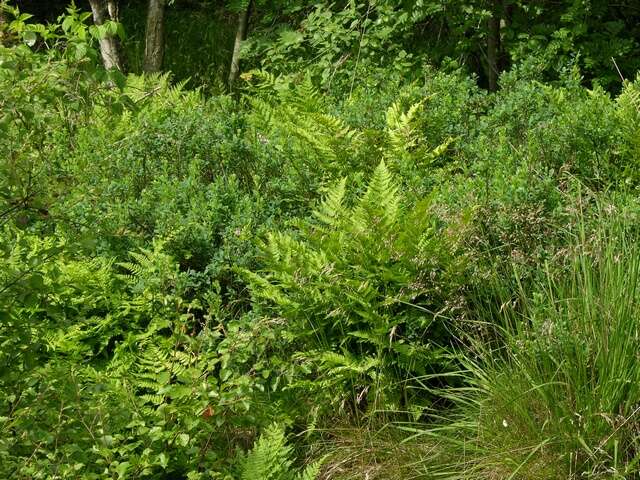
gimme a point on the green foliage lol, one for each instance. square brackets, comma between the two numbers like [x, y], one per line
[335, 42]
[269, 459]
[563, 129]
[47, 96]
[342, 43]
[348, 241]
[587, 34]
[628, 113]
[199, 42]
[557, 400]
[117, 370]
[297, 125]
[364, 292]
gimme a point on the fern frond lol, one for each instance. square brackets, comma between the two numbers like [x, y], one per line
[311, 472]
[153, 399]
[305, 97]
[331, 208]
[380, 204]
[315, 140]
[630, 96]
[338, 363]
[269, 458]
[400, 126]
[262, 79]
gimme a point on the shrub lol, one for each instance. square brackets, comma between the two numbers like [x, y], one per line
[112, 368]
[561, 129]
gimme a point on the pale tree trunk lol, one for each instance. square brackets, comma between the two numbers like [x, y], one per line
[104, 10]
[493, 48]
[154, 38]
[241, 35]
[3, 20]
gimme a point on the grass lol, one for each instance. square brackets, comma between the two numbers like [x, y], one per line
[555, 392]
[382, 453]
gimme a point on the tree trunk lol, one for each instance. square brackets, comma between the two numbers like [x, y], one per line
[154, 38]
[104, 10]
[493, 48]
[241, 35]
[3, 20]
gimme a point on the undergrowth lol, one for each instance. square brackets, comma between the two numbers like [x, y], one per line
[411, 278]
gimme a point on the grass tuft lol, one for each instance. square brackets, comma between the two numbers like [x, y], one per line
[556, 393]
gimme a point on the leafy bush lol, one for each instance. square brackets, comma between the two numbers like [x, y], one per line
[331, 44]
[47, 95]
[120, 373]
[562, 129]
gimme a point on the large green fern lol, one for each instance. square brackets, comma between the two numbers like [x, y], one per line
[362, 288]
[294, 119]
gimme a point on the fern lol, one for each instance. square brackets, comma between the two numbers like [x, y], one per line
[311, 472]
[270, 459]
[331, 208]
[630, 96]
[382, 192]
[295, 119]
[629, 118]
[405, 149]
[380, 205]
[401, 127]
[348, 285]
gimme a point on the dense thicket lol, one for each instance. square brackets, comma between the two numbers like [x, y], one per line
[401, 244]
